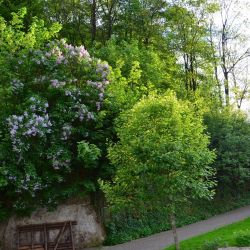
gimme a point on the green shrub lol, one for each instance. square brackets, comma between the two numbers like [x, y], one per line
[212, 245]
[230, 137]
[124, 227]
[242, 239]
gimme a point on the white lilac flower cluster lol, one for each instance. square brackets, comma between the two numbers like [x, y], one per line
[27, 182]
[29, 124]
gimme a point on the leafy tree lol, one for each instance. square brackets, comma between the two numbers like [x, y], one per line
[162, 157]
[229, 38]
[75, 17]
[187, 36]
[7, 7]
[138, 71]
[230, 137]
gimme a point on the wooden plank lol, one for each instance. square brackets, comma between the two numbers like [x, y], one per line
[32, 239]
[24, 247]
[71, 235]
[45, 237]
[48, 225]
[59, 235]
[18, 239]
[28, 247]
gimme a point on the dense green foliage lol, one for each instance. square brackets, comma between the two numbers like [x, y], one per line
[162, 158]
[126, 226]
[242, 238]
[61, 109]
[230, 136]
[161, 143]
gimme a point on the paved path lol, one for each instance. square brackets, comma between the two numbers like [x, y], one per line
[161, 240]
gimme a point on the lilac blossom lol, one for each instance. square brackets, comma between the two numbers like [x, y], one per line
[103, 69]
[17, 85]
[59, 159]
[66, 131]
[29, 125]
[57, 84]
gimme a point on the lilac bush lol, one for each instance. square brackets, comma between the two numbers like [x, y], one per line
[55, 99]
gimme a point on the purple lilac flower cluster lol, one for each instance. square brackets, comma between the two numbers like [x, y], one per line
[74, 51]
[100, 87]
[83, 113]
[31, 184]
[103, 69]
[38, 57]
[59, 159]
[81, 110]
[65, 69]
[57, 84]
[56, 52]
[37, 105]
[29, 124]
[66, 132]
[62, 52]
[17, 85]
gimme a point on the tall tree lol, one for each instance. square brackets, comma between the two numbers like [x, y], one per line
[162, 158]
[233, 49]
[187, 35]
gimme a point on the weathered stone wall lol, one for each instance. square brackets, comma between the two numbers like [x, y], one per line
[87, 233]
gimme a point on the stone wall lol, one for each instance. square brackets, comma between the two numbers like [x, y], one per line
[87, 233]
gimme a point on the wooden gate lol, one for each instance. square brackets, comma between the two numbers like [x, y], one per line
[50, 236]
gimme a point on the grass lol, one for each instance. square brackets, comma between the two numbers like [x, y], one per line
[224, 234]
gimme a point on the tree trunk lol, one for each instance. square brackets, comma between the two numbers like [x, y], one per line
[110, 24]
[173, 224]
[185, 57]
[226, 87]
[224, 64]
[193, 82]
[93, 21]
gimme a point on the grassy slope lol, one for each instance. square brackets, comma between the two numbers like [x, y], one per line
[225, 234]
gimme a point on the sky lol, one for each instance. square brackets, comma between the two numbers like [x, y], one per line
[239, 22]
